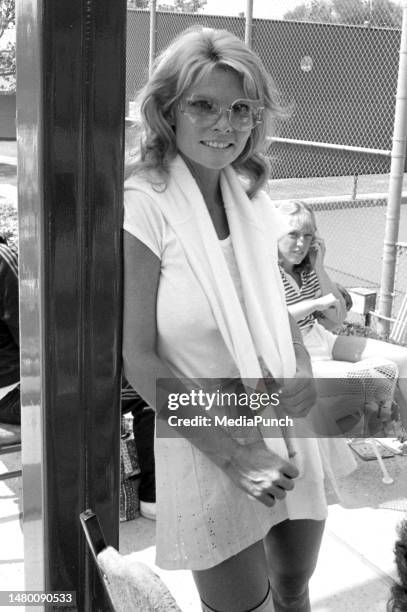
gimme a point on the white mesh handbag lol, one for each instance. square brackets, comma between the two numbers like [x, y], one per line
[358, 395]
[377, 378]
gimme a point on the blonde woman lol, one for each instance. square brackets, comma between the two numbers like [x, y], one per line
[203, 299]
[317, 305]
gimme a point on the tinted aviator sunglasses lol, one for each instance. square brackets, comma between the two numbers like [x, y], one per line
[243, 115]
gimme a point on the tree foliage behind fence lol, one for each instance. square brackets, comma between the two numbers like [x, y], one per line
[8, 49]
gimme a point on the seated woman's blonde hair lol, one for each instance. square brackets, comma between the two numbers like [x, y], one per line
[303, 214]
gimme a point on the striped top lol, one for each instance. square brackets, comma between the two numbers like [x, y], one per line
[9, 255]
[131, 401]
[310, 289]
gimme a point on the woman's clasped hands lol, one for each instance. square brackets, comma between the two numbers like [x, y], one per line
[254, 467]
[260, 472]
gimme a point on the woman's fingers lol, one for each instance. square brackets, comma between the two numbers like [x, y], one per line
[278, 493]
[286, 483]
[275, 493]
[270, 497]
[267, 499]
[288, 472]
[264, 475]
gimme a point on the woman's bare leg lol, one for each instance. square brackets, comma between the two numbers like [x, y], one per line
[292, 549]
[238, 584]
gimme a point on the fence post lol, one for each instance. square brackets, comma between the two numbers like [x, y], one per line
[153, 35]
[248, 23]
[398, 156]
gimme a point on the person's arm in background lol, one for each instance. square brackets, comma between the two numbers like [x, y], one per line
[336, 312]
[306, 307]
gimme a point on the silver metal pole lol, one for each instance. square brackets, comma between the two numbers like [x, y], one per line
[398, 157]
[248, 23]
[153, 35]
[29, 16]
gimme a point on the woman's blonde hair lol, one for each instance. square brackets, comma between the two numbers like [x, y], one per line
[190, 57]
[299, 210]
[303, 214]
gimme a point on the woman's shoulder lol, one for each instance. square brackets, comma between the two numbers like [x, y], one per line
[143, 216]
[144, 189]
[145, 181]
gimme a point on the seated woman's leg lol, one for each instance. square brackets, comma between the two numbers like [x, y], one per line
[355, 348]
[238, 584]
[292, 549]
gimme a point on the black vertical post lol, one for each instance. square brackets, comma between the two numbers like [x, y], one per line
[70, 107]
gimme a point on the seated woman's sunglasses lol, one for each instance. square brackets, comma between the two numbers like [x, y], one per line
[204, 112]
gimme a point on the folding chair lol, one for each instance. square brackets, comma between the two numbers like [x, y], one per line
[10, 442]
[399, 331]
[130, 585]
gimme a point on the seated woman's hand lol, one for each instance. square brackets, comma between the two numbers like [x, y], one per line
[264, 475]
[317, 253]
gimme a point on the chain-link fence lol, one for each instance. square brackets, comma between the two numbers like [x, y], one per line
[340, 79]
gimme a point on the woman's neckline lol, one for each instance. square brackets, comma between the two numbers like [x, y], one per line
[295, 275]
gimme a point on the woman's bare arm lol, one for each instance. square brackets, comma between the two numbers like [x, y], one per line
[305, 307]
[141, 363]
[337, 312]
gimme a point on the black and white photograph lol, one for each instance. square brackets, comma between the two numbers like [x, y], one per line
[203, 305]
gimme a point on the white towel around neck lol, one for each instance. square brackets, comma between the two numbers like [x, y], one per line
[266, 332]
[254, 227]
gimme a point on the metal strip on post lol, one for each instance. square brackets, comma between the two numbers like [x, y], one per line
[153, 35]
[248, 35]
[30, 203]
[71, 86]
[398, 158]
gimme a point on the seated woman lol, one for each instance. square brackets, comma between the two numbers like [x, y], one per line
[318, 306]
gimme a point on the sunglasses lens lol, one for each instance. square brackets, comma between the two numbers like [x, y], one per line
[242, 116]
[204, 112]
